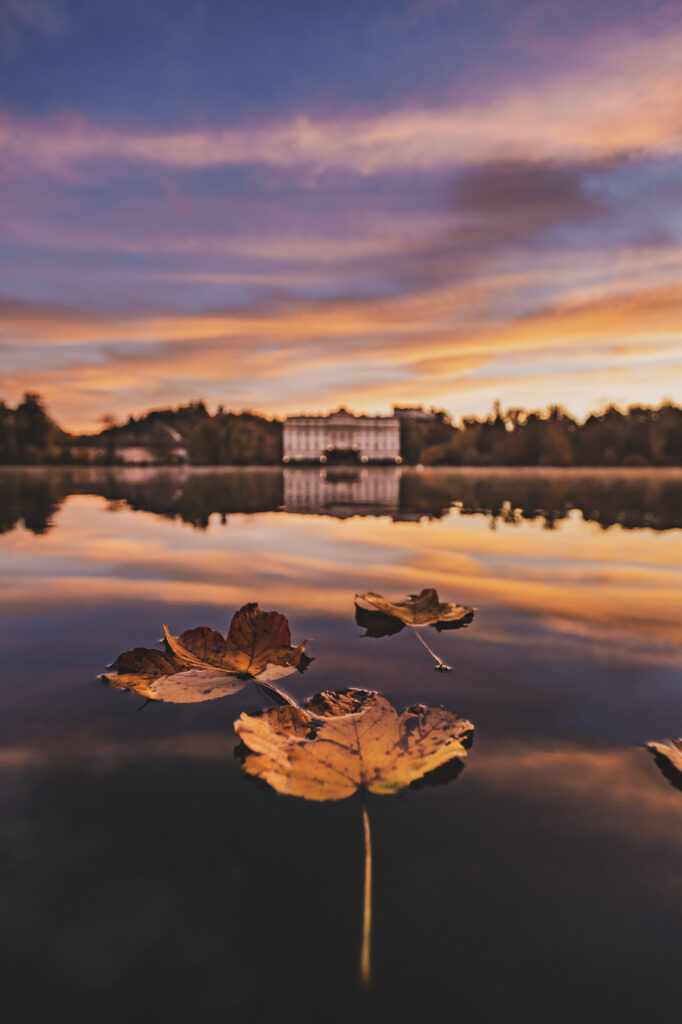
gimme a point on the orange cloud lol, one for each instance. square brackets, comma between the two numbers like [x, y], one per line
[432, 345]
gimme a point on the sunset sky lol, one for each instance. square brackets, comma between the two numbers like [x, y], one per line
[287, 206]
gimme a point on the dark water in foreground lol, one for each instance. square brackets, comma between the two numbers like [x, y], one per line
[146, 878]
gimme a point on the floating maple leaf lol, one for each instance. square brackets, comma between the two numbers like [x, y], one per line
[423, 609]
[385, 618]
[668, 754]
[202, 665]
[157, 675]
[258, 644]
[348, 741]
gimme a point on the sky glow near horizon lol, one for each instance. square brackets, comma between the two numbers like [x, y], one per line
[290, 207]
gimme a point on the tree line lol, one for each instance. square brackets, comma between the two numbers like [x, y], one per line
[638, 436]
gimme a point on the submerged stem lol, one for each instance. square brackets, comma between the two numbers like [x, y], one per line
[366, 949]
[439, 664]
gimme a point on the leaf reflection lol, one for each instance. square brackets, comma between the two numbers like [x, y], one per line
[376, 624]
[202, 665]
[668, 756]
[349, 741]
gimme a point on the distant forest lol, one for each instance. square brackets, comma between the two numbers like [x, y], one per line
[638, 436]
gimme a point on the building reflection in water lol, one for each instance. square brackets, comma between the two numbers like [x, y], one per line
[343, 491]
[629, 499]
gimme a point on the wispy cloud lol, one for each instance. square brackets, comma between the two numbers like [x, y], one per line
[616, 100]
[504, 242]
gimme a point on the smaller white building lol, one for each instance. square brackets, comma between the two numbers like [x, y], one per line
[342, 436]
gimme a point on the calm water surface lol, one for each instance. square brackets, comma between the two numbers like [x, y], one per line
[146, 878]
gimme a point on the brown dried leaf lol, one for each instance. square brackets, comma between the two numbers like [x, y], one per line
[258, 644]
[157, 675]
[202, 665]
[332, 703]
[422, 609]
[195, 684]
[327, 753]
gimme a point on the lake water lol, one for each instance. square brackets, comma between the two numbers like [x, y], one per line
[147, 878]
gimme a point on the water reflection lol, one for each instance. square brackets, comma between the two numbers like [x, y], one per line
[630, 498]
[343, 491]
[579, 580]
[134, 839]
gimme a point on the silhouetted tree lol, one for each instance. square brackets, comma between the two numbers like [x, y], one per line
[28, 434]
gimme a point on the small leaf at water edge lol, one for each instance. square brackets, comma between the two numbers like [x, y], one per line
[202, 665]
[346, 741]
[423, 609]
[668, 754]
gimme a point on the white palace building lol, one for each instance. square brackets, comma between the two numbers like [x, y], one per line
[342, 436]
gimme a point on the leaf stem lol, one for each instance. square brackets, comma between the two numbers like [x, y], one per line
[440, 665]
[272, 691]
[366, 948]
